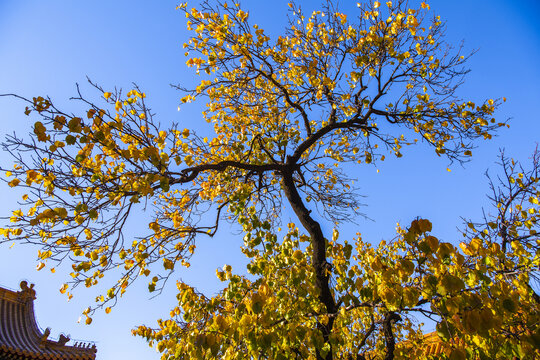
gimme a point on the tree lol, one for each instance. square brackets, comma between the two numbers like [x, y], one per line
[291, 116]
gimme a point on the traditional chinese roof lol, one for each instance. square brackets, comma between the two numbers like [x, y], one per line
[21, 338]
[434, 345]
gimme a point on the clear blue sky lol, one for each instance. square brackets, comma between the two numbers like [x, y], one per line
[48, 46]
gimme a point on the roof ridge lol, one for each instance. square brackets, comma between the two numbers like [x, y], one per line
[20, 333]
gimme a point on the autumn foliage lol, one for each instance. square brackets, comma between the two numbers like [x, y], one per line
[291, 116]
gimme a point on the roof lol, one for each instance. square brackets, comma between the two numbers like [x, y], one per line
[21, 338]
[432, 345]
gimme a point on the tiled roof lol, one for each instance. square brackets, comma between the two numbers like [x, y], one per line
[433, 344]
[21, 338]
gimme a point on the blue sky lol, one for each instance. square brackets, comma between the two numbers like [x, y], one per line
[47, 47]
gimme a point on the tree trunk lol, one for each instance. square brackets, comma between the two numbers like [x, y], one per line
[318, 242]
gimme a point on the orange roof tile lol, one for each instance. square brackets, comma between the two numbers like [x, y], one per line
[21, 338]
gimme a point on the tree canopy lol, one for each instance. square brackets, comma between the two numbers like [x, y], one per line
[292, 116]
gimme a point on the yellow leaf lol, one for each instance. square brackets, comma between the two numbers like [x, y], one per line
[335, 234]
[39, 130]
[61, 212]
[424, 225]
[168, 264]
[465, 248]
[14, 182]
[64, 288]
